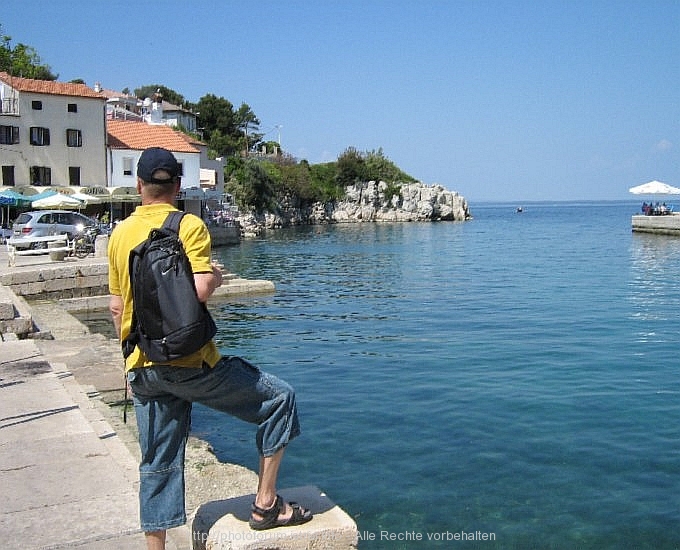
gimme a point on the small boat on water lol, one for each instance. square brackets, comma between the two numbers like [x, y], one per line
[519, 209]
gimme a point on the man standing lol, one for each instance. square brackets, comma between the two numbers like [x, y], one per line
[163, 393]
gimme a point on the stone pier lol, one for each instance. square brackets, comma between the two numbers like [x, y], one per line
[662, 225]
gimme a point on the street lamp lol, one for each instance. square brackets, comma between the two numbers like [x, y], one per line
[278, 127]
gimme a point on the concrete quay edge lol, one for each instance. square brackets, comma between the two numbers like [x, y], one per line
[660, 225]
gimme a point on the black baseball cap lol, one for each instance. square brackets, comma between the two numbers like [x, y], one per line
[154, 159]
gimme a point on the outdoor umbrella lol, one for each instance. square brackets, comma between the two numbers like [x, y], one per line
[87, 199]
[655, 188]
[5, 201]
[41, 195]
[9, 197]
[124, 194]
[57, 201]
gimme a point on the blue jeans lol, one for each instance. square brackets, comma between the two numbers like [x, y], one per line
[163, 395]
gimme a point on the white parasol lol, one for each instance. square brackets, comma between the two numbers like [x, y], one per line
[655, 188]
[87, 199]
[57, 201]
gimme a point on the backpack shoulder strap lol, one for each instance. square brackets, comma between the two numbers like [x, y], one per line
[173, 220]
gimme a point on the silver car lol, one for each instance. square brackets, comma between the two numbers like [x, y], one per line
[42, 223]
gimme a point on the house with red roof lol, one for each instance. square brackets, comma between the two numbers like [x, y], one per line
[126, 141]
[202, 178]
[51, 133]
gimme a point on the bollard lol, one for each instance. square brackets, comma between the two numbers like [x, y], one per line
[57, 255]
[101, 244]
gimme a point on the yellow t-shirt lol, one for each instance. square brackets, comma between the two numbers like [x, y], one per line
[127, 235]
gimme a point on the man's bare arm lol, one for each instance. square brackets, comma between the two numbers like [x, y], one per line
[116, 309]
[206, 283]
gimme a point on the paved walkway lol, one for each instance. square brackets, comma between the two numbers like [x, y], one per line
[67, 478]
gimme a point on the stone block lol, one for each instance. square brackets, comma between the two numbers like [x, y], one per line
[99, 269]
[223, 525]
[6, 303]
[64, 271]
[22, 320]
[18, 325]
[243, 287]
[21, 277]
[88, 281]
[33, 288]
[54, 285]
[101, 244]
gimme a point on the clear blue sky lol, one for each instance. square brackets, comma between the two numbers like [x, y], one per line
[498, 100]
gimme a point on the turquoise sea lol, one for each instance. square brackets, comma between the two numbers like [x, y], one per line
[516, 375]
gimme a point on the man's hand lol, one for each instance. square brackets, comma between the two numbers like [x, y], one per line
[217, 271]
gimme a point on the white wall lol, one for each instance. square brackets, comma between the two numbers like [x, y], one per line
[90, 158]
[190, 166]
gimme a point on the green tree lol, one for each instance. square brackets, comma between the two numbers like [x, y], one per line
[350, 167]
[379, 168]
[217, 123]
[215, 113]
[246, 121]
[324, 182]
[296, 181]
[22, 60]
[252, 187]
[169, 95]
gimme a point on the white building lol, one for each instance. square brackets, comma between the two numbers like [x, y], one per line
[172, 115]
[128, 139]
[51, 133]
[202, 178]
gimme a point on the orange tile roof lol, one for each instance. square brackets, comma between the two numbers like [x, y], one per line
[126, 134]
[49, 87]
[191, 140]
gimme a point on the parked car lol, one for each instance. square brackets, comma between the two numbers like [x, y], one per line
[42, 223]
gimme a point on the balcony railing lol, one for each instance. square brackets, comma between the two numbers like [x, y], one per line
[9, 106]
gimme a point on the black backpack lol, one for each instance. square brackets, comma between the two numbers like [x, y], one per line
[168, 320]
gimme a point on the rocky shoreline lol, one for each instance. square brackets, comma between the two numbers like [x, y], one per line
[367, 202]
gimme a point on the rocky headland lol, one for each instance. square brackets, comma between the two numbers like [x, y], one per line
[367, 202]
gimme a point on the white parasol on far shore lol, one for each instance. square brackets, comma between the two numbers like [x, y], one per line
[654, 188]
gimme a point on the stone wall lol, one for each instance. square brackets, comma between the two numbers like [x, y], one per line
[59, 280]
